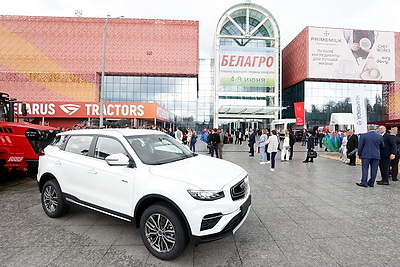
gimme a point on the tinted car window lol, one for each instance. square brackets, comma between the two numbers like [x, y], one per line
[158, 149]
[106, 146]
[79, 144]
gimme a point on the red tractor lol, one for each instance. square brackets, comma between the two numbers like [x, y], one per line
[20, 142]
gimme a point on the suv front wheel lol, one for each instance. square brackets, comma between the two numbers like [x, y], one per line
[163, 232]
[52, 200]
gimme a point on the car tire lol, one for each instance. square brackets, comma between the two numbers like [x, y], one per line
[163, 232]
[52, 201]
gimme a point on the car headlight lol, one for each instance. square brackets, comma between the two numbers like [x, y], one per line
[207, 195]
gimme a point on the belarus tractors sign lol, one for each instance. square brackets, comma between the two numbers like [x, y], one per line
[92, 110]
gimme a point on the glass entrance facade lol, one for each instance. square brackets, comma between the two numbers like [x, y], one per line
[321, 99]
[247, 86]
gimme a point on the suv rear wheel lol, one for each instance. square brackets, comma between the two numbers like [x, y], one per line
[163, 232]
[52, 201]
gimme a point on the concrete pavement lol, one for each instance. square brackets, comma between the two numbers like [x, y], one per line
[302, 215]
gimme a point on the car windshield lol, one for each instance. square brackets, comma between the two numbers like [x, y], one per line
[154, 149]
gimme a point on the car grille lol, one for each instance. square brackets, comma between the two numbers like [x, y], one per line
[238, 191]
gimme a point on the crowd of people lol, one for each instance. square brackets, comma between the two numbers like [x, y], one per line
[376, 149]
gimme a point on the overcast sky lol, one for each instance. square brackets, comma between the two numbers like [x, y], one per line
[292, 15]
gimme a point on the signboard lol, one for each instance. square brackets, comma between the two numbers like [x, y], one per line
[351, 54]
[247, 66]
[359, 111]
[92, 110]
[299, 112]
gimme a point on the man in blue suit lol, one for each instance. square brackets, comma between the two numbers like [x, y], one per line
[369, 152]
[387, 153]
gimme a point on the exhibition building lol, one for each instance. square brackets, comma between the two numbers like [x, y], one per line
[135, 72]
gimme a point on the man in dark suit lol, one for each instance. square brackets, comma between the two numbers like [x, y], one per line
[292, 141]
[388, 152]
[369, 152]
[352, 144]
[310, 146]
[394, 163]
[252, 140]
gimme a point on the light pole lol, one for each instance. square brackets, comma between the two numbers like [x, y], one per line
[103, 63]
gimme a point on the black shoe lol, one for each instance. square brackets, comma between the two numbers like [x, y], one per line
[305, 161]
[251, 155]
[370, 185]
[395, 179]
[382, 183]
[352, 164]
[360, 184]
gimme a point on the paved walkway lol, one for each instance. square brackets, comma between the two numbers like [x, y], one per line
[302, 215]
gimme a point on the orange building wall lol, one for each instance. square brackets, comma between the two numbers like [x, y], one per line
[295, 60]
[59, 59]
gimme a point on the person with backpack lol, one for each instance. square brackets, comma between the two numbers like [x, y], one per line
[394, 163]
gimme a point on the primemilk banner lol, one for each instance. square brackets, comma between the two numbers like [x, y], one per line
[351, 54]
[358, 108]
[253, 66]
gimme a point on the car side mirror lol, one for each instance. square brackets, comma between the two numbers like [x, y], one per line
[118, 159]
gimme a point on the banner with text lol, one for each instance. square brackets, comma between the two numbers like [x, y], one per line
[359, 111]
[299, 112]
[351, 54]
[92, 110]
[251, 66]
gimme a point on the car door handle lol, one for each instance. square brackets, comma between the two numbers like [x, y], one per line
[92, 171]
[124, 181]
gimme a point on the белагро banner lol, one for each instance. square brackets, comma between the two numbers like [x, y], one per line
[351, 54]
[247, 66]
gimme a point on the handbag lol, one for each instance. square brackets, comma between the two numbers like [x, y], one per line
[312, 154]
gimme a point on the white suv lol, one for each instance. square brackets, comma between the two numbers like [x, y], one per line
[148, 178]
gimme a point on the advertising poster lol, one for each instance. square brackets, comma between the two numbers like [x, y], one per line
[299, 112]
[351, 54]
[240, 66]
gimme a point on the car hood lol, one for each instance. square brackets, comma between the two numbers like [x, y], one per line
[204, 172]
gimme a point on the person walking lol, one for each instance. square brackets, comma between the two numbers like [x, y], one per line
[310, 146]
[352, 147]
[236, 136]
[304, 138]
[292, 141]
[193, 140]
[221, 142]
[240, 137]
[214, 141]
[394, 163]
[252, 140]
[272, 148]
[343, 148]
[369, 152]
[261, 145]
[285, 147]
[388, 153]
